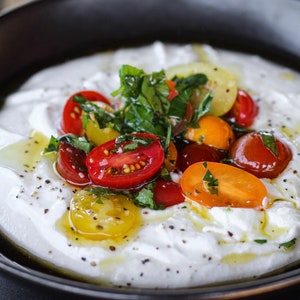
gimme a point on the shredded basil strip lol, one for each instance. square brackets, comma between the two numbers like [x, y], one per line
[269, 141]
[202, 109]
[260, 241]
[212, 182]
[288, 245]
[79, 142]
[144, 198]
[103, 118]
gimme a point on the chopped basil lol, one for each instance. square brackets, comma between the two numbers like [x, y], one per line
[79, 142]
[52, 145]
[185, 87]
[103, 118]
[202, 109]
[260, 241]
[144, 198]
[269, 141]
[288, 245]
[212, 183]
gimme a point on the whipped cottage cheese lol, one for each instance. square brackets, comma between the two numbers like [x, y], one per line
[184, 245]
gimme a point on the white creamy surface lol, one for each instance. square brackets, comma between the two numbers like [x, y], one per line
[184, 245]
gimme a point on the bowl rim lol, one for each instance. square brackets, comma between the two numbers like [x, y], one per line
[253, 287]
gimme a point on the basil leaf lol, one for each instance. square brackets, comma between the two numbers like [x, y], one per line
[185, 87]
[53, 145]
[260, 241]
[288, 245]
[269, 141]
[212, 183]
[145, 101]
[130, 79]
[103, 118]
[144, 198]
[202, 109]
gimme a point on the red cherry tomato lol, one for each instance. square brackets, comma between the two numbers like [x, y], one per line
[72, 121]
[251, 154]
[167, 193]
[194, 152]
[70, 165]
[244, 109]
[109, 165]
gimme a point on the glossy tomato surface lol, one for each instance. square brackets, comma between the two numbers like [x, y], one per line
[194, 152]
[111, 165]
[167, 193]
[244, 109]
[71, 165]
[251, 154]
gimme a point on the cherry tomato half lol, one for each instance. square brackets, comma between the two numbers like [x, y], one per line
[244, 109]
[216, 184]
[72, 120]
[167, 193]
[194, 152]
[251, 154]
[70, 165]
[109, 165]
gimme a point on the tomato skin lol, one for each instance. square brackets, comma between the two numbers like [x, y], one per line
[167, 193]
[113, 168]
[72, 120]
[244, 109]
[227, 186]
[250, 153]
[194, 152]
[70, 165]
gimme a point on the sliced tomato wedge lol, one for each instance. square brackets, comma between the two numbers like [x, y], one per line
[167, 193]
[70, 165]
[72, 114]
[125, 166]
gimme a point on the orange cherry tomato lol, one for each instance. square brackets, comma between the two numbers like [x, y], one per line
[213, 131]
[216, 184]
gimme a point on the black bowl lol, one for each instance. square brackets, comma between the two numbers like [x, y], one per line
[45, 32]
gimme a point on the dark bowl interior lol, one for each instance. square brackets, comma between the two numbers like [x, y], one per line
[50, 31]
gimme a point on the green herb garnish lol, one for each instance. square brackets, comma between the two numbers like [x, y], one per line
[269, 141]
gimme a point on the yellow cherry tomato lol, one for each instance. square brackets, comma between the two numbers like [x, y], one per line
[220, 83]
[102, 217]
[98, 135]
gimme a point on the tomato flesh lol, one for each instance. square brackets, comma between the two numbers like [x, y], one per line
[109, 166]
[227, 186]
[72, 120]
[111, 217]
[70, 165]
[194, 152]
[167, 193]
[250, 153]
[244, 109]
